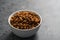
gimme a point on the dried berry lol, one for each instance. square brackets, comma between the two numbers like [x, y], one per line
[24, 20]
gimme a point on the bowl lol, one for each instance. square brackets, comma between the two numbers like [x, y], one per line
[25, 32]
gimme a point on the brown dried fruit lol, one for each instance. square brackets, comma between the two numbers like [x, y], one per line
[24, 20]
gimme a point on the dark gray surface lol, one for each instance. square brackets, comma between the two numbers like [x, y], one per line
[48, 9]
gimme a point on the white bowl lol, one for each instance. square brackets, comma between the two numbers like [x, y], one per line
[24, 32]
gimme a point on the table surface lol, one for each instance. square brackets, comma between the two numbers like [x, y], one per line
[48, 9]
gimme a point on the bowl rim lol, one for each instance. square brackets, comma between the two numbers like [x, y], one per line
[25, 29]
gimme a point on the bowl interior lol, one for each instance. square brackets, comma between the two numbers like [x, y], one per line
[25, 29]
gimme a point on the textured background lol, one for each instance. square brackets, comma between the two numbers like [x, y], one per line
[48, 9]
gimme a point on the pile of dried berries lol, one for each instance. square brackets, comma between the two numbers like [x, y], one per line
[25, 20]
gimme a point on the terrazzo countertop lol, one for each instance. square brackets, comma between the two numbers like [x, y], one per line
[48, 9]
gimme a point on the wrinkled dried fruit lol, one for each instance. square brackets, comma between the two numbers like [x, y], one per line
[25, 20]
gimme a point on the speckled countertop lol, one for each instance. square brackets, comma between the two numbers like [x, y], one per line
[48, 9]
